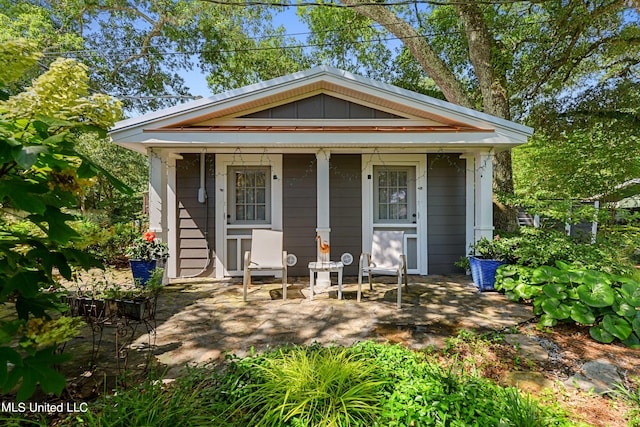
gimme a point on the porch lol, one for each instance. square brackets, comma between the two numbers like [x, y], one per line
[205, 320]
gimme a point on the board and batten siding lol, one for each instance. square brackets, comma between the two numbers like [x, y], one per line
[345, 198]
[446, 228]
[194, 216]
[299, 210]
[321, 106]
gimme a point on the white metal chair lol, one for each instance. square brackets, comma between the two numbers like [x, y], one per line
[387, 258]
[266, 255]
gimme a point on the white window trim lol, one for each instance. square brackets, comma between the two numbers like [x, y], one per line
[411, 195]
[232, 195]
[419, 161]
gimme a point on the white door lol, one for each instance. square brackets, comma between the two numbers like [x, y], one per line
[394, 198]
[249, 196]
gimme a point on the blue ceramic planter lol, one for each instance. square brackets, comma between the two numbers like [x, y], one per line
[141, 270]
[483, 272]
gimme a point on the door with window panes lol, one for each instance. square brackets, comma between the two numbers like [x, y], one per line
[249, 194]
[395, 192]
[253, 199]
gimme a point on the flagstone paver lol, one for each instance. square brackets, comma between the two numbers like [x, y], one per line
[202, 321]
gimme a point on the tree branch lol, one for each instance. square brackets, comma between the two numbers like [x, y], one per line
[419, 47]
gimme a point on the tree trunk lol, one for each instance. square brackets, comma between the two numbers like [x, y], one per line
[419, 47]
[484, 55]
[491, 78]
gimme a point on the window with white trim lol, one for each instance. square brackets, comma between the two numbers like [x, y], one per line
[249, 195]
[394, 194]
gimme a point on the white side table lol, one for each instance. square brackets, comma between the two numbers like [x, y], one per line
[328, 266]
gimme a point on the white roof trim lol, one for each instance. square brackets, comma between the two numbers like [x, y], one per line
[199, 107]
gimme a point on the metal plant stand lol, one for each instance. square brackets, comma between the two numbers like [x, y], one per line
[123, 318]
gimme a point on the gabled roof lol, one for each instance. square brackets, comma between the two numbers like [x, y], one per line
[258, 108]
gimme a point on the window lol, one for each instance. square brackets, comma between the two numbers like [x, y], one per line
[394, 194]
[250, 190]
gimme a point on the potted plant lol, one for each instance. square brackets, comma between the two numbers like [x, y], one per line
[485, 258]
[89, 301]
[138, 303]
[143, 254]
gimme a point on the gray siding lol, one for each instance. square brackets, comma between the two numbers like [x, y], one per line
[192, 215]
[299, 209]
[446, 212]
[345, 182]
[321, 107]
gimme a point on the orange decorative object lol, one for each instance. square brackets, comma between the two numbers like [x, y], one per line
[323, 247]
[149, 236]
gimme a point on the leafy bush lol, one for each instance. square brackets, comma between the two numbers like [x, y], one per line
[150, 404]
[107, 243]
[609, 303]
[41, 177]
[367, 384]
[534, 247]
[416, 389]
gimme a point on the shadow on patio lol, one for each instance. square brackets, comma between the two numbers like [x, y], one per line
[202, 321]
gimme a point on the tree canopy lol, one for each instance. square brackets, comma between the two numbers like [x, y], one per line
[523, 60]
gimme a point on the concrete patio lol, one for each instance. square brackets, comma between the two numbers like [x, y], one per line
[202, 321]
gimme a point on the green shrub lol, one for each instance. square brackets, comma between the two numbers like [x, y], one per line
[367, 384]
[609, 303]
[409, 388]
[149, 404]
[312, 387]
[107, 243]
[535, 247]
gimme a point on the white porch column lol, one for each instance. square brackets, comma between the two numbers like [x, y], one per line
[470, 199]
[157, 191]
[172, 217]
[483, 196]
[323, 224]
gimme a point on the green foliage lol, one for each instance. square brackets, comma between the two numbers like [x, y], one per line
[522, 411]
[131, 167]
[499, 249]
[106, 290]
[316, 386]
[151, 404]
[582, 147]
[631, 395]
[367, 384]
[417, 389]
[41, 176]
[609, 303]
[535, 247]
[147, 247]
[104, 241]
[69, 101]
[16, 56]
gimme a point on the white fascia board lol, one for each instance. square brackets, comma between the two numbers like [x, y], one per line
[135, 146]
[328, 139]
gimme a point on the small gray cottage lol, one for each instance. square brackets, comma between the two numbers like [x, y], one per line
[319, 152]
